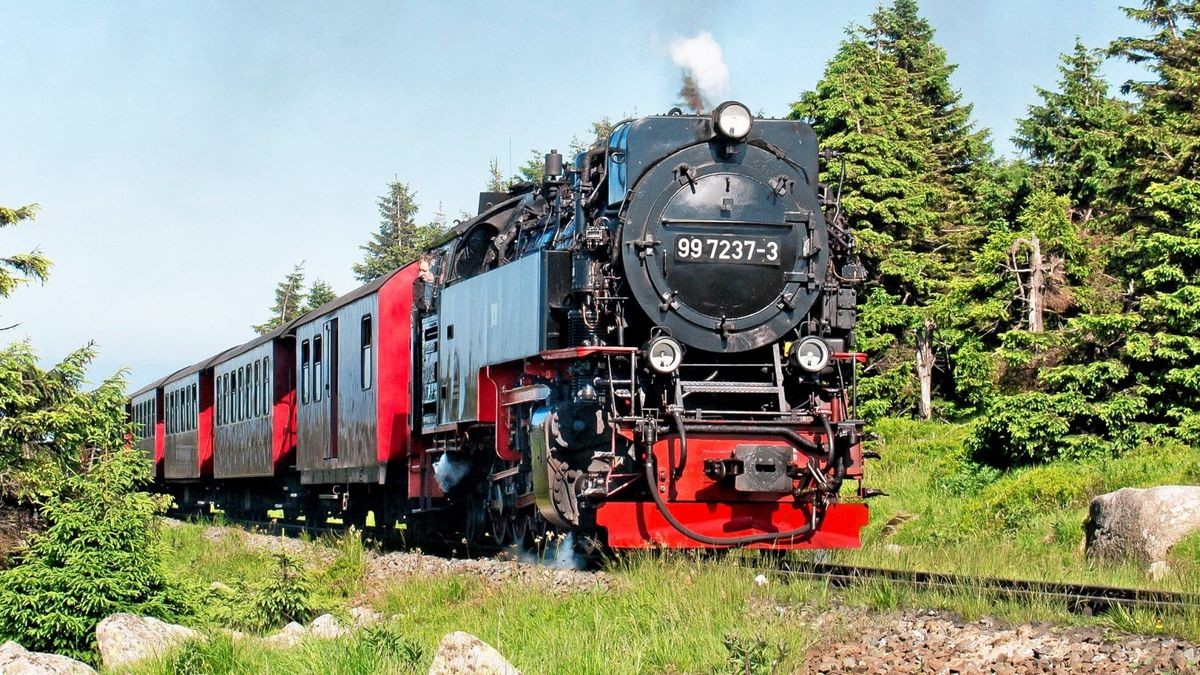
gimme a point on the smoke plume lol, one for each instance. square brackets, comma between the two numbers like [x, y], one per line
[448, 471]
[705, 73]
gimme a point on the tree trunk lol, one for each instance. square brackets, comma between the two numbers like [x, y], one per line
[925, 368]
[1037, 286]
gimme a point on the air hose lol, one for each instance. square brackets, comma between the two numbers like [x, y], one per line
[652, 484]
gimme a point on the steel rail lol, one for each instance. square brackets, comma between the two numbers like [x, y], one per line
[1080, 598]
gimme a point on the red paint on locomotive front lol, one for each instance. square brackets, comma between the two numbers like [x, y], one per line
[716, 509]
[640, 525]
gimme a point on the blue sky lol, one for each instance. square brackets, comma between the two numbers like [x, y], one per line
[186, 155]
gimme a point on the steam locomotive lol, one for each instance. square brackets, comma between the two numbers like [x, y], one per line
[653, 346]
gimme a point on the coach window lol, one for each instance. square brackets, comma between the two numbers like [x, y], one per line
[257, 388]
[305, 372]
[316, 394]
[246, 391]
[192, 408]
[365, 340]
[266, 386]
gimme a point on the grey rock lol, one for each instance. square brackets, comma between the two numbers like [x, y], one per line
[289, 636]
[16, 660]
[1159, 570]
[460, 653]
[325, 627]
[364, 616]
[1141, 524]
[125, 639]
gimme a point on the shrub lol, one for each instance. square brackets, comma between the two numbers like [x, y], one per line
[283, 598]
[1038, 427]
[1021, 496]
[98, 556]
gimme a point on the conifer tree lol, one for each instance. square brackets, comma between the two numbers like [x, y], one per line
[289, 301]
[1160, 181]
[863, 108]
[399, 239]
[1073, 136]
[20, 268]
[318, 294]
[496, 182]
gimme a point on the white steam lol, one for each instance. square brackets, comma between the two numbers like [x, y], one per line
[702, 58]
[448, 471]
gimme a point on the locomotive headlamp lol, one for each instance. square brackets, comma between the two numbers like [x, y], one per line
[810, 354]
[732, 120]
[663, 354]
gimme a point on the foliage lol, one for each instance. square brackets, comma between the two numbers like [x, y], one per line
[48, 423]
[282, 598]
[318, 294]
[289, 301]
[399, 239]
[912, 163]
[20, 268]
[292, 301]
[752, 656]
[496, 182]
[98, 556]
[1073, 134]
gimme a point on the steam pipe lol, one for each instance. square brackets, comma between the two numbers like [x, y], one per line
[790, 434]
[683, 446]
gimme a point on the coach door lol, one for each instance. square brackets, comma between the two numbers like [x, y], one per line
[330, 333]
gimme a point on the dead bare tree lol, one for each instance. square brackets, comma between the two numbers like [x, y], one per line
[1033, 279]
[925, 362]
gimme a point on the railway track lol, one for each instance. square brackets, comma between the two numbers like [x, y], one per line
[1080, 598]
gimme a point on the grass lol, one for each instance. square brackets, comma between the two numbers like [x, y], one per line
[948, 515]
[671, 613]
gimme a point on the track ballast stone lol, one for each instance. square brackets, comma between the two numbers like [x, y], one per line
[490, 570]
[936, 642]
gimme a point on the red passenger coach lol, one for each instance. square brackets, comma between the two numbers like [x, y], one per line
[353, 362]
[145, 409]
[254, 424]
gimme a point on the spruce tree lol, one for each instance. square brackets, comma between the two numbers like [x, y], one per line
[862, 108]
[398, 240]
[1160, 181]
[1073, 136]
[20, 268]
[289, 301]
[318, 294]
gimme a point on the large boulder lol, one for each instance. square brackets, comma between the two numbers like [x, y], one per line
[1141, 524]
[125, 639]
[16, 660]
[461, 653]
[289, 636]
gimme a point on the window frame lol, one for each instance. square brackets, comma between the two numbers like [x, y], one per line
[366, 351]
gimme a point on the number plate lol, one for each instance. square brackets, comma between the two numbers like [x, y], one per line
[724, 248]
